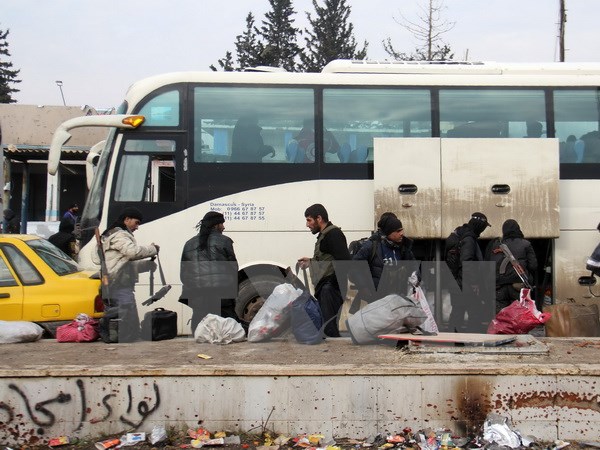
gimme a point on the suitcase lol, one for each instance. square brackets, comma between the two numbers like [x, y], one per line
[159, 324]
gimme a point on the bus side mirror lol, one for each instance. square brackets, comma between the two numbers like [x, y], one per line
[587, 281]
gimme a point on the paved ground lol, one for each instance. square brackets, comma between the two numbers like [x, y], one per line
[284, 356]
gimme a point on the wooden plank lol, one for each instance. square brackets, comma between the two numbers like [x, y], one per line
[470, 339]
[525, 344]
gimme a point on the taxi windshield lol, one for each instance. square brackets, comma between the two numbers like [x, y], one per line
[55, 258]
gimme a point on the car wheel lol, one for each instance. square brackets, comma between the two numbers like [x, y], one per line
[252, 295]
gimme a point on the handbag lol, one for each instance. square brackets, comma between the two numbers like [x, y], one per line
[520, 317]
[162, 291]
[82, 329]
[159, 325]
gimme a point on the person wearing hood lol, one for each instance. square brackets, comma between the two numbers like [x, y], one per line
[123, 257]
[384, 255]
[209, 270]
[65, 239]
[508, 282]
[10, 223]
[467, 249]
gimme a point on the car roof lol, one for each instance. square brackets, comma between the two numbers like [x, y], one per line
[19, 237]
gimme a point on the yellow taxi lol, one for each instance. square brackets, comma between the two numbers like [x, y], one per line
[39, 283]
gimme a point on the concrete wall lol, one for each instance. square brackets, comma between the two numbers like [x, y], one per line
[33, 410]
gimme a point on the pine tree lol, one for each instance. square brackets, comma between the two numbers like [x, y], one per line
[248, 46]
[225, 63]
[331, 37]
[7, 74]
[280, 37]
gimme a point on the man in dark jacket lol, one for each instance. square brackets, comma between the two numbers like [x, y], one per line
[508, 283]
[65, 239]
[11, 223]
[468, 250]
[331, 246]
[209, 271]
[383, 256]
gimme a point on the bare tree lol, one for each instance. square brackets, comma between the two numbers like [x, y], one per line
[428, 31]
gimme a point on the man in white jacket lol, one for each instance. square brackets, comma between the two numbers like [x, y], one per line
[123, 257]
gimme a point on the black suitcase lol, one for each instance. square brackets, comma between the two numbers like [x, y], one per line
[159, 325]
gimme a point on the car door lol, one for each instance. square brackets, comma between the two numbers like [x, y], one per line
[11, 291]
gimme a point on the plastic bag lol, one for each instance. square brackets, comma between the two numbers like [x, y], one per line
[219, 330]
[274, 317]
[82, 329]
[12, 332]
[307, 319]
[158, 434]
[520, 317]
[419, 297]
[391, 314]
[497, 429]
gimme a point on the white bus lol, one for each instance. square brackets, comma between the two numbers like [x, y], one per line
[461, 142]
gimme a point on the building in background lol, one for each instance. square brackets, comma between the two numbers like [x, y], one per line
[26, 134]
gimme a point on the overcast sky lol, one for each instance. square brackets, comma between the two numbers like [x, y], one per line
[97, 48]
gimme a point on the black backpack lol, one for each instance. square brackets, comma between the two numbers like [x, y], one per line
[452, 252]
[355, 246]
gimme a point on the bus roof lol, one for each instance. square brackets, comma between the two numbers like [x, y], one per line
[391, 73]
[460, 67]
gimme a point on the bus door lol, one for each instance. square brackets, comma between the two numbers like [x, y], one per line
[435, 184]
[407, 182]
[149, 175]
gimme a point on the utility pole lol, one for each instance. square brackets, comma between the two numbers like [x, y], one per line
[561, 30]
[60, 85]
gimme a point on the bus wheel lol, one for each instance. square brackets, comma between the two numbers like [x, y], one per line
[252, 295]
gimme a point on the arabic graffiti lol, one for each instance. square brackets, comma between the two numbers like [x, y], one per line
[22, 408]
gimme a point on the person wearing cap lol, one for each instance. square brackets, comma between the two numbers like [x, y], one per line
[508, 282]
[383, 256]
[208, 270]
[124, 260]
[468, 250]
[71, 214]
[331, 246]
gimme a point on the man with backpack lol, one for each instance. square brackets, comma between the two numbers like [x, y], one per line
[384, 254]
[462, 246]
[508, 282]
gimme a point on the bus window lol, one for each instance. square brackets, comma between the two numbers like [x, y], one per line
[244, 125]
[491, 113]
[576, 117]
[162, 110]
[146, 177]
[353, 117]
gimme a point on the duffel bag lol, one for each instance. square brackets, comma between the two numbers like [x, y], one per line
[159, 325]
[82, 329]
[391, 314]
